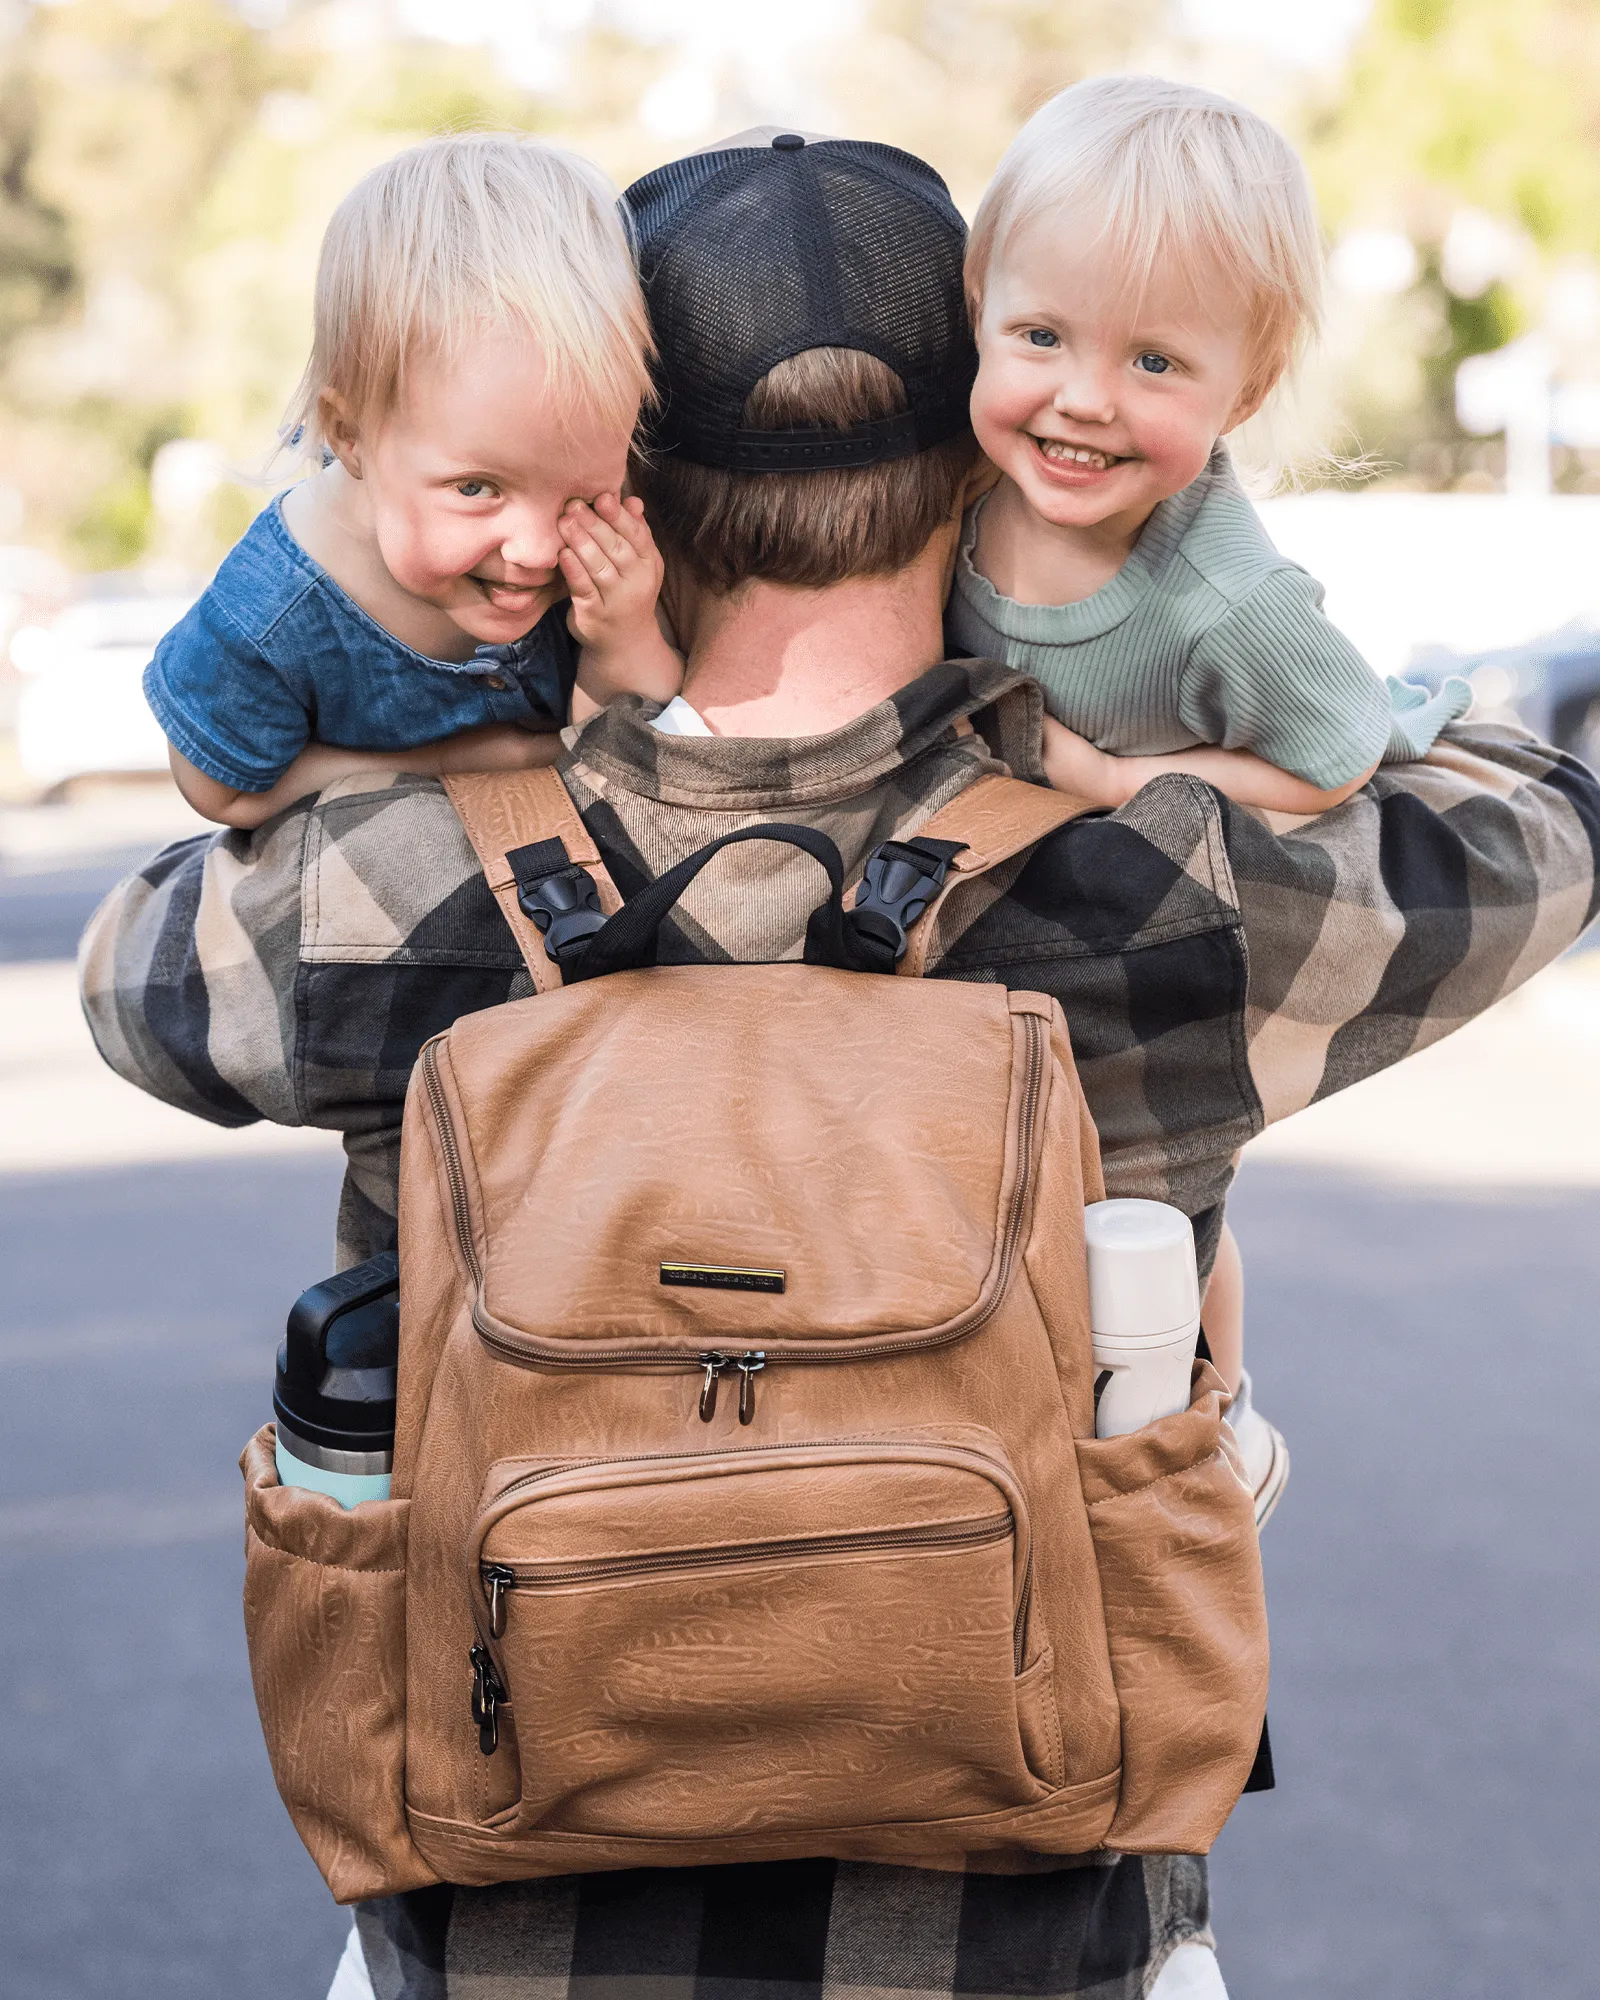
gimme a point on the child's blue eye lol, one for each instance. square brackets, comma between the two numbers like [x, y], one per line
[1041, 336]
[469, 489]
[1153, 364]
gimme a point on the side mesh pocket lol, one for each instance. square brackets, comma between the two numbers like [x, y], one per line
[1180, 1575]
[324, 1615]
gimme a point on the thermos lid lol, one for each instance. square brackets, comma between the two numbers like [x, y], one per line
[1142, 1280]
[335, 1384]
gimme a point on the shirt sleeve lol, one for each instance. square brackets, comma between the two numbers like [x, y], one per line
[1272, 675]
[222, 703]
[178, 968]
[1380, 928]
[293, 972]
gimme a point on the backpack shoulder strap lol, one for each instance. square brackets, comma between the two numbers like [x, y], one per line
[510, 818]
[994, 820]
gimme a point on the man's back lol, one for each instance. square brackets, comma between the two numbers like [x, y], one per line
[1213, 973]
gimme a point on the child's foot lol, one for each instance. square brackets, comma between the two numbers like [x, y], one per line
[1261, 1446]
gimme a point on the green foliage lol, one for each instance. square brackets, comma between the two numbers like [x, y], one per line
[37, 272]
[113, 529]
[166, 171]
[165, 175]
[1449, 105]
[444, 90]
[1487, 102]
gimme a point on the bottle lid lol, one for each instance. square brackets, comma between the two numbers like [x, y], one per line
[1142, 1279]
[335, 1386]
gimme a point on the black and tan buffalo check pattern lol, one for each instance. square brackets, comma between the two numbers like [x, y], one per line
[1218, 970]
[791, 1930]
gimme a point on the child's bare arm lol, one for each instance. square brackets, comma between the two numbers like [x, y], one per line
[496, 746]
[613, 569]
[1072, 764]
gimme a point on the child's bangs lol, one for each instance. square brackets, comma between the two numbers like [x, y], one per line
[477, 232]
[1178, 181]
[1154, 224]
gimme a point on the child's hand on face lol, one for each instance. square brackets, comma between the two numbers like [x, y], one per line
[614, 569]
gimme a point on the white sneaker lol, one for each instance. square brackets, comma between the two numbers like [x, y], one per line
[351, 1980]
[1261, 1446]
[1191, 1973]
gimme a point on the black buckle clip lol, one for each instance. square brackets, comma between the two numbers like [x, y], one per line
[900, 880]
[558, 896]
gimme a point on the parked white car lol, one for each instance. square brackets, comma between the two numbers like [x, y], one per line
[81, 710]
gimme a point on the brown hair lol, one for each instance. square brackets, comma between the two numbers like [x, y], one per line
[807, 528]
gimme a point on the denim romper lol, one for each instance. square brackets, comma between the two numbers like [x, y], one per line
[275, 653]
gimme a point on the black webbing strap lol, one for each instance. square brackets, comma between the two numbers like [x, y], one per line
[558, 896]
[630, 937]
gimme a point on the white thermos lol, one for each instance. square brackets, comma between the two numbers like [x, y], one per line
[1144, 1308]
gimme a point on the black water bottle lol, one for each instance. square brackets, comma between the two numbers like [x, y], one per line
[334, 1395]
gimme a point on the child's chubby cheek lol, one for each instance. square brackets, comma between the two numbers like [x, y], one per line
[1005, 408]
[1076, 470]
[458, 568]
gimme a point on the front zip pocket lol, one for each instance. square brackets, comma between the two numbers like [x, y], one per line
[797, 1636]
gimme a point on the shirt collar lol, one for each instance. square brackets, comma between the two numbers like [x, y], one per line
[752, 773]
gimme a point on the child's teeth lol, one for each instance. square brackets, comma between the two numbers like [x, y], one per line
[1078, 453]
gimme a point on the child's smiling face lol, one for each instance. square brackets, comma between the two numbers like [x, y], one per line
[466, 478]
[1098, 401]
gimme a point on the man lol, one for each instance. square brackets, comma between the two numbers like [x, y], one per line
[1217, 972]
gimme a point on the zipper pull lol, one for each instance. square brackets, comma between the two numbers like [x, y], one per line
[497, 1581]
[749, 1366]
[713, 1363]
[487, 1695]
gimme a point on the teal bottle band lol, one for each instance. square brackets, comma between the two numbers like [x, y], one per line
[348, 1488]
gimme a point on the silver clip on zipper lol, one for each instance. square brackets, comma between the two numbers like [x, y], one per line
[749, 1366]
[713, 1363]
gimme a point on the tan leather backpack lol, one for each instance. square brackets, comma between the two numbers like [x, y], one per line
[746, 1498]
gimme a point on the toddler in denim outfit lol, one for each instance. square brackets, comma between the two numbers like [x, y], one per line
[418, 602]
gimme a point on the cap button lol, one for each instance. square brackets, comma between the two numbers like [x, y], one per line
[787, 142]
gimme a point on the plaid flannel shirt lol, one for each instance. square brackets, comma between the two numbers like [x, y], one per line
[1218, 969]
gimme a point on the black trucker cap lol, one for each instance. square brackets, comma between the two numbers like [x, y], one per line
[754, 254]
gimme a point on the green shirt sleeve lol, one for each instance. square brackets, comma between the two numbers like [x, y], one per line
[1272, 675]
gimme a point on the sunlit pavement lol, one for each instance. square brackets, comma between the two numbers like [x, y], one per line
[1424, 1261]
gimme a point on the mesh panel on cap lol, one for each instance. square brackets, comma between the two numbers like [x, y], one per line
[751, 256]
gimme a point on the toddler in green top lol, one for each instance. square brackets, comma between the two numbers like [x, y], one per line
[1141, 274]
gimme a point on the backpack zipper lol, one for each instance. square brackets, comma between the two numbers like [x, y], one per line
[489, 1692]
[528, 1350]
[452, 1158]
[497, 1578]
[502, 1577]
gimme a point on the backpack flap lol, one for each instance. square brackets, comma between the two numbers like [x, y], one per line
[788, 1160]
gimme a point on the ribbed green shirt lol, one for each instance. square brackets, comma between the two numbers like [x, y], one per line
[1205, 635]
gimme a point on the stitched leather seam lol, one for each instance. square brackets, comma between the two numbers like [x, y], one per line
[347, 1569]
[1178, 1472]
[316, 1562]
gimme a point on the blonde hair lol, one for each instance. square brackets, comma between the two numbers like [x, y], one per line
[1179, 177]
[482, 229]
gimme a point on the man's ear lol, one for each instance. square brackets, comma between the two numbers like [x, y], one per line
[339, 430]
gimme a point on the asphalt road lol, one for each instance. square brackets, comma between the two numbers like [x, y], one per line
[1432, 1569]
[42, 914]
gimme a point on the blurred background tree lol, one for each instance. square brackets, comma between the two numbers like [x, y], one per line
[167, 167]
[1457, 158]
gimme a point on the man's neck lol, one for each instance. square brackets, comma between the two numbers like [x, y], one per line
[773, 660]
